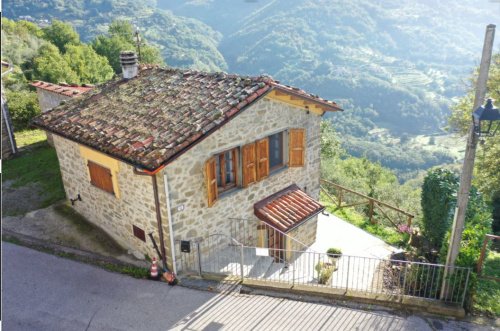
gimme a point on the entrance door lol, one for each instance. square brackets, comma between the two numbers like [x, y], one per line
[276, 245]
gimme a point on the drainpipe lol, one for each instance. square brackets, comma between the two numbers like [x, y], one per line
[170, 222]
[158, 215]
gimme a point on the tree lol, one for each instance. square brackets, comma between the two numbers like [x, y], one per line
[110, 47]
[121, 38]
[438, 200]
[87, 64]
[330, 144]
[51, 66]
[477, 225]
[487, 168]
[122, 29]
[20, 41]
[61, 34]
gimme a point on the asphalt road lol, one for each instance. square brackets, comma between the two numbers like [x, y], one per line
[45, 292]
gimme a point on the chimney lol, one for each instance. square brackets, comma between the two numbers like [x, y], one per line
[128, 61]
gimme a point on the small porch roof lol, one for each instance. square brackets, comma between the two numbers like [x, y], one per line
[287, 208]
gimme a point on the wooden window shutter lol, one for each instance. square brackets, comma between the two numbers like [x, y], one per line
[297, 147]
[262, 158]
[249, 167]
[211, 180]
[100, 177]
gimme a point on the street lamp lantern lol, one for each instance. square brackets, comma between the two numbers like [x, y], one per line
[486, 120]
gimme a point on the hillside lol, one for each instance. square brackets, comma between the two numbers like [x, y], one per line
[395, 66]
[182, 41]
[403, 59]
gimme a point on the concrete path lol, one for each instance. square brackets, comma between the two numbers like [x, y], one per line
[335, 232]
[45, 292]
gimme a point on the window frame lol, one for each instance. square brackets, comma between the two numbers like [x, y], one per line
[284, 162]
[220, 165]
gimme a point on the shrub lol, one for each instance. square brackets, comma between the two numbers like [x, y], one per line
[23, 106]
[438, 199]
[325, 271]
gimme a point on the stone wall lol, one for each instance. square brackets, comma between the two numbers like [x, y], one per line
[116, 215]
[192, 217]
[305, 233]
[47, 101]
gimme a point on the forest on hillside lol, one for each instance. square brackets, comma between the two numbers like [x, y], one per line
[394, 66]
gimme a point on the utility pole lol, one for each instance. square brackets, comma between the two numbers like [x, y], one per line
[138, 43]
[468, 166]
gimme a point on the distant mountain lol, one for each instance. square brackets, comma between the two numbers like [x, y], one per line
[183, 41]
[403, 59]
[394, 65]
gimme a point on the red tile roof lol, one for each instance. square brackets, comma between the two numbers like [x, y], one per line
[287, 208]
[152, 118]
[64, 89]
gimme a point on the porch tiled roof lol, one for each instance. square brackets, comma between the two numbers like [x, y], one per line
[152, 118]
[287, 208]
[64, 89]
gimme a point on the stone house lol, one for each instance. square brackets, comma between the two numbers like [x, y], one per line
[52, 95]
[180, 154]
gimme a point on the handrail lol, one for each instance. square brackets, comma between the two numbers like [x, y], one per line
[371, 201]
[369, 198]
[272, 227]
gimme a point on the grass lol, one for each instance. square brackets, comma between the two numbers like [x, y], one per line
[26, 138]
[487, 295]
[389, 235]
[35, 164]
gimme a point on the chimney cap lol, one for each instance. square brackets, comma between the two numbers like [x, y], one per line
[128, 57]
[129, 64]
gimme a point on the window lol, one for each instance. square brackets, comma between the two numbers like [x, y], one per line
[100, 177]
[258, 160]
[276, 155]
[226, 170]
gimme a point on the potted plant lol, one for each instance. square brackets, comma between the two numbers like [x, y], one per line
[334, 253]
[325, 271]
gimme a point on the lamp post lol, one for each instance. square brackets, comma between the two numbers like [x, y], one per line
[481, 114]
[486, 120]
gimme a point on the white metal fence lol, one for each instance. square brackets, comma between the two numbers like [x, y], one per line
[220, 254]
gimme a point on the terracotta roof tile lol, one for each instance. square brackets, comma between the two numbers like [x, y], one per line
[64, 89]
[150, 119]
[287, 208]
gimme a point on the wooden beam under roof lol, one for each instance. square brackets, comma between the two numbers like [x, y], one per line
[296, 101]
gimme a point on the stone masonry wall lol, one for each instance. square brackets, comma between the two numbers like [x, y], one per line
[114, 215]
[192, 217]
[305, 233]
[47, 101]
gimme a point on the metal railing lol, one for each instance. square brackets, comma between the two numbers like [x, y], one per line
[367, 275]
[353, 274]
[252, 232]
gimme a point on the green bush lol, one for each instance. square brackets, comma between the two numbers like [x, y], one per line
[23, 106]
[438, 200]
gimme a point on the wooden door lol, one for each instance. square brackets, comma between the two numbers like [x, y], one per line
[276, 245]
